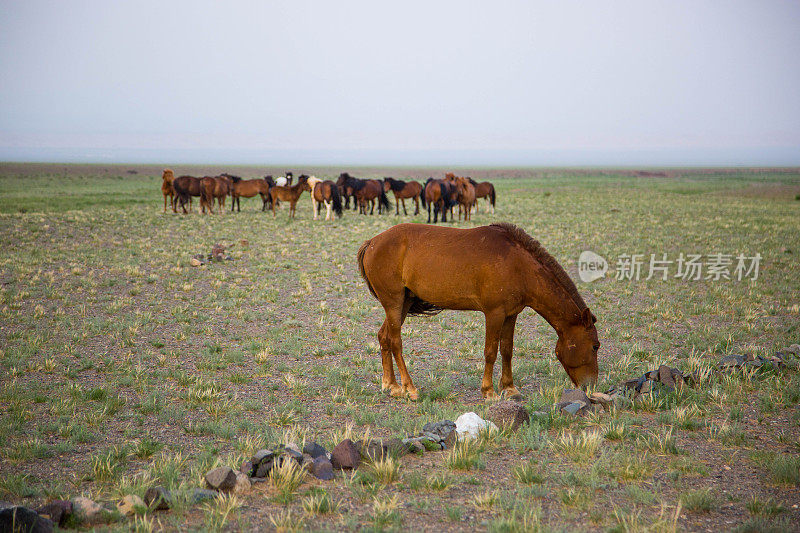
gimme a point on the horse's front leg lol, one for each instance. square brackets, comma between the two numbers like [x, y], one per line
[494, 323]
[404, 206]
[507, 388]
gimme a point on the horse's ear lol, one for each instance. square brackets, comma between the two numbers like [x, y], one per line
[587, 318]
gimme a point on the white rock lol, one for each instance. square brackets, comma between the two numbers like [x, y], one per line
[469, 425]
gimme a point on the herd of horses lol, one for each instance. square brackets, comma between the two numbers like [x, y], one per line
[439, 196]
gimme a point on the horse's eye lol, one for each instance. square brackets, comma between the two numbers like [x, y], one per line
[596, 346]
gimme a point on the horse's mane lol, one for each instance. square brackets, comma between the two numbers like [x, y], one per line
[537, 250]
[472, 181]
[396, 185]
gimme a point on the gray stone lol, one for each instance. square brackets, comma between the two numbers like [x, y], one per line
[322, 468]
[441, 428]
[130, 504]
[604, 400]
[265, 467]
[574, 395]
[346, 455]
[794, 348]
[260, 456]
[414, 446]
[540, 414]
[222, 478]
[646, 387]
[432, 436]
[573, 408]
[732, 361]
[294, 451]
[86, 510]
[158, 498]
[665, 376]
[511, 415]
[58, 511]
[396, 447]
[22, 519]
[314, 450]
[373, 450]
[203, 495]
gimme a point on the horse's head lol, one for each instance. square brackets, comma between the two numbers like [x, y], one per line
[577, 347]
[303, 179]
[387, 184]
[168, 176]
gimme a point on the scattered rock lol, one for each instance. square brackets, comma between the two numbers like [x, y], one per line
[260, 456]
[242, 484]
[314, 450]
[794, 348]
[158, 498]
[398, 448]
[445, 429]
[469, 425]
[413, 446]
[346, 455]
[293, 451]
[247, 468]
[201, 495]
[195, 262]
[222, 478]
[646, 387]
[130, 504]
[731, 361]
[373, 450]
[574, 408]
[575, 395]
[605, 400]
[218, 252]
[265, 467]
[244, 242]
[540, 414]
[57, 511]
[86, 510]
[508, 414]
[18, 518]
[322, 468]
[665, 376]
[635, 383]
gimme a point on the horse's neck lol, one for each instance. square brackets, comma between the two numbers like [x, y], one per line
[312, 181]
[551, 300]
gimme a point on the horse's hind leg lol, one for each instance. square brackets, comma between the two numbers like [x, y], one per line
[404, 206]
[392, 339]
[507, 388]
[416, 202]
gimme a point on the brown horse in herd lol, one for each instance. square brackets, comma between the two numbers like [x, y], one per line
[441, 195]
[248, 189]
[185, 187]
[324, 193]
[465, 195]
[288, 194]
[166, 189]
[484, 189]
[499, 270]
[363, 192]
[403, 190]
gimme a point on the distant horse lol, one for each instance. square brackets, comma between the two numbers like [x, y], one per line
[185, 187]
[438, 194]
[208, 184]
[416, 269]
[345, 184]
[223, 184]
[248, 189]
[403, 190]
[288, 194]
[484, 189]
[466, 197]
[365, 191]
[285, 181]
[324, 192]
[166, 189]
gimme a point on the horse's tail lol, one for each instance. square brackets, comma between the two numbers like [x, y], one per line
[360, 259]
[422, 196]
[384, 200]
[492, 195]
[336, 200]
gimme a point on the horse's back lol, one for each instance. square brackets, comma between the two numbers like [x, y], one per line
[451, 268]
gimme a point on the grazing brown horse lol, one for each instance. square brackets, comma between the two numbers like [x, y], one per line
[403, 190]
[324, 192]
[166, 189]
[185, 187]
[484, 189]
[288, 194]
[248, 189]
[465, 197]
[439, 194]
[417, 269]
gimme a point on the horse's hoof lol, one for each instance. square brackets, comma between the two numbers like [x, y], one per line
[396, 391]
[491, 396]
[413, 395]
[511, 394]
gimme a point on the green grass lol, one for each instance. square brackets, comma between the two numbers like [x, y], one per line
[112, 341]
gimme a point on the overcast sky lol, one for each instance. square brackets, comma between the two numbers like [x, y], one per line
[592, 82]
